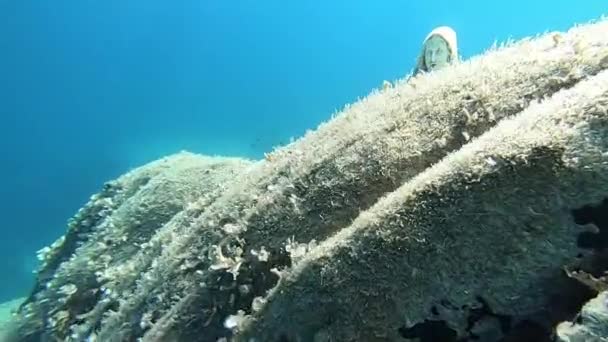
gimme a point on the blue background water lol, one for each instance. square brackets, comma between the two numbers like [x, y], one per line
[91, 88]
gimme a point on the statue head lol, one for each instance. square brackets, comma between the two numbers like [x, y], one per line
[436, 53]
[438, 50]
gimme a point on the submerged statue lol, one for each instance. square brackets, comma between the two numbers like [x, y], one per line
[439, 49]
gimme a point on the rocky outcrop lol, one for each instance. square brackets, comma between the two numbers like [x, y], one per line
[452, 206]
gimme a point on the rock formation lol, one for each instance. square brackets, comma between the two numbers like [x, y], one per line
[463, 204]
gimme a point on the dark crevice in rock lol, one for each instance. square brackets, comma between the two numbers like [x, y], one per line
[429, 331]
[483, 314]
[528, 331]
[571, 290]
[227, 295]
[598, 216]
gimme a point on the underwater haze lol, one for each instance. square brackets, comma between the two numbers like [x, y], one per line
[92, 88]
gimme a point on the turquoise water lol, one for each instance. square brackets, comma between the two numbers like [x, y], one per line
[91, 88]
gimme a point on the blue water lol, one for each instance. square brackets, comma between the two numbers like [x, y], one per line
[91, 88]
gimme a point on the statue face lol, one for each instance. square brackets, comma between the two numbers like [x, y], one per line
[436, 53]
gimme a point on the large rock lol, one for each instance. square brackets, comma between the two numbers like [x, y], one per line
[442, 204]
[117, 234]
[481, 236]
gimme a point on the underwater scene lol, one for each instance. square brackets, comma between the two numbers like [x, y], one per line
[304, 171]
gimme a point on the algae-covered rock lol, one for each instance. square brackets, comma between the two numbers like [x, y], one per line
[116, 235]
[484, 233]
[442, 205]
